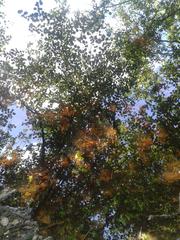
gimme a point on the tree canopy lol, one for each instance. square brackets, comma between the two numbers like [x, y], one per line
[102, 102]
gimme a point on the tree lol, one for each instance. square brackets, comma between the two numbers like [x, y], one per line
[100, 164]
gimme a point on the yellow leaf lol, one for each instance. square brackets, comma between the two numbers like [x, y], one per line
[30, 179]
[78, 156]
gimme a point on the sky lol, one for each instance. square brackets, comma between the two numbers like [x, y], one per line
[18, 27]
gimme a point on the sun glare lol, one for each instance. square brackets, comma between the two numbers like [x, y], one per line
[18, 27]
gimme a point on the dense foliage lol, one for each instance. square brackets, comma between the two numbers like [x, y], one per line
[102, 101]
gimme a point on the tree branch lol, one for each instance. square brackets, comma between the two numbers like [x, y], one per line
[164, 216]
[118, 4]
[166, 41]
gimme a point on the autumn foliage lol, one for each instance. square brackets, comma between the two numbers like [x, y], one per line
[95, 137]
[37, 182]
[172, 172]
[9, 161]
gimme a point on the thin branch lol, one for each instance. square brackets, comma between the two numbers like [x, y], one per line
[167, 41]
[164, 216]
[119, 4]
[52, 225]
[5, 195]
[87, 234]
[42, 153]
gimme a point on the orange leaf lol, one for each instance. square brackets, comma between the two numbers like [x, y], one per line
[105, 175]
[43, 217]
[172, 172]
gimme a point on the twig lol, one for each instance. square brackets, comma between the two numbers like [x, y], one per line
[5, 195]
[52, 225]
[174, 41]
[86, 234]
[165, 216]
[118, 4]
